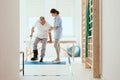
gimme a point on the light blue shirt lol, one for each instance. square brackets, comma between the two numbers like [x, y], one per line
[58, 24]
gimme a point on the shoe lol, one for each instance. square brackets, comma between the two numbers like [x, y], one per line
[34, 58]
[41, 60]
[56, 60]
[35, 55]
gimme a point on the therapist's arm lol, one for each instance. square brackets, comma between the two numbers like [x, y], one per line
[50, 37]
[49, 34]
[54, 27]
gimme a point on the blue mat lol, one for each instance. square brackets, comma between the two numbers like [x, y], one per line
[44, 63]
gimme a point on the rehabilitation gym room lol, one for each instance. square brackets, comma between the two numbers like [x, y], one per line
[59, 40]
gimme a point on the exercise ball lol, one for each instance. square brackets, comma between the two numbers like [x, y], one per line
[76, 50]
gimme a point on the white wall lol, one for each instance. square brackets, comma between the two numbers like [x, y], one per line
[9, 39]
[68, 9]
[111, 39]
[23, 23]
[78, 21]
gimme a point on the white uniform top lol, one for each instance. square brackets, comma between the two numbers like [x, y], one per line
[42, 30]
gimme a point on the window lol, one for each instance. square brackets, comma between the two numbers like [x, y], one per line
[67, 23]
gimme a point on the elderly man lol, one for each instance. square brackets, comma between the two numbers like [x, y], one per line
[43, 28]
